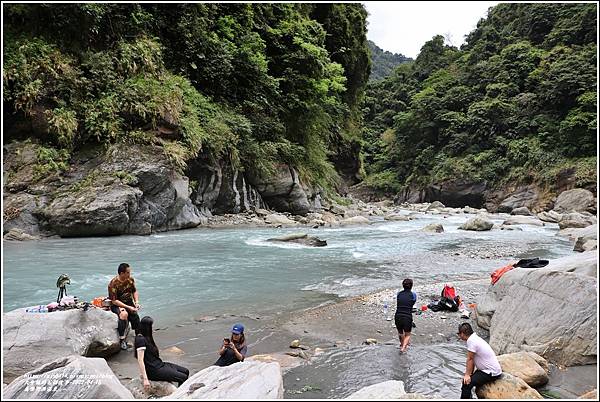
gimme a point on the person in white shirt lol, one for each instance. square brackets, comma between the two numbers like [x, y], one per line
[482, 363]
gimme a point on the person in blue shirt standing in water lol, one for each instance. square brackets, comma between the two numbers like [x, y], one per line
[403, 318]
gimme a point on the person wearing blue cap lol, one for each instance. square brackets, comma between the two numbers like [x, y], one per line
[233, 350]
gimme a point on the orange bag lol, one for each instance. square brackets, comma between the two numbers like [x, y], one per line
[497, 274]
[98, 301]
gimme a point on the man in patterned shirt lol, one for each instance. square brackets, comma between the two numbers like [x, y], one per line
[125, 301]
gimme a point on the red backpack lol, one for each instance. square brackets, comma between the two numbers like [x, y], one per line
[449, 292]
[497, 274]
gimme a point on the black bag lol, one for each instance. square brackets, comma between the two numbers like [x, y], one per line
[448, 304]
[531, 263]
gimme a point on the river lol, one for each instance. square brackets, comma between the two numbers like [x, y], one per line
[195, 272]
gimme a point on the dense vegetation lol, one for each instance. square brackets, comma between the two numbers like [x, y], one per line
[263, 84]
[383, 62]
[516, 104]
[256, 84]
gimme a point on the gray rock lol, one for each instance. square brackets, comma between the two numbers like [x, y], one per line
[71, 377]
[246, 380]
[284, 191]
[397, 217]
[18, 235]
[528, 366]
[435, 205]
[301, 238]
[477, 224]
[537, 310]
[158, 389]
[585, 244]
[434, 227]
[34, 339]
[575, 233]
[549, 216]
[523, 197]
[577, 200]
[357, 220]
[522, 220]
[507, 387]
[521, 211]
[576, 220]
[391, 389]
[277, 219]
[153, 198]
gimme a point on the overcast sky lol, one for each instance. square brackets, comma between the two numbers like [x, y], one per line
[403, 27]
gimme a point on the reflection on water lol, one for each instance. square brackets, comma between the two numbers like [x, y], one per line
[431, 370]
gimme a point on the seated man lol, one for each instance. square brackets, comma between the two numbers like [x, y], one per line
[482, 363]
[125, 301]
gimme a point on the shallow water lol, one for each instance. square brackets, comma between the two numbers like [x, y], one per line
[190, 273]
[431, 370]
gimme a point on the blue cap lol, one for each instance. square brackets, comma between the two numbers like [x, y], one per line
[237, 329]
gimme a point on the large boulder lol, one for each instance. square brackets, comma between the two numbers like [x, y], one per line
[278, 219]
[523, 197]
[576, 200]
[16, 234]
[284, 192]
[33, 339]
[550, 311]
[116, 194]
[593, 394]
[384, 390]
[71, 377]
[477, 224]
[158, 389]
[397, 217]
[435, 205]
[300, 238]
[245, 380]
[521, 211]
[549, 216]
[528, 366]
[523, 220]
[507, 387]
[575, 233]
[357, 220]
[576, 220]
[434, 228]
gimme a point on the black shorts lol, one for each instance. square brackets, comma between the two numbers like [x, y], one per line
[133, 318]
[403, 323]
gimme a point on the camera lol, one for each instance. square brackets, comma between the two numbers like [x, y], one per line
[227, 340]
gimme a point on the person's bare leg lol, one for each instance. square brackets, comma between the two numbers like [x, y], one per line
[401, 337]
[405, 341]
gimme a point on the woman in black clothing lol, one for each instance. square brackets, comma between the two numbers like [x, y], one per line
[233, 350]
[150, 364]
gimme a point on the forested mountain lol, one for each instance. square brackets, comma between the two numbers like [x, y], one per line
[383, 62]
[257, 84]
[516, 104]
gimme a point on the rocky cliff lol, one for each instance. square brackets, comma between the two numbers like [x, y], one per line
[134, 189]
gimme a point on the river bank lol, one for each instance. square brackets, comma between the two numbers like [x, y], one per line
[335, 359]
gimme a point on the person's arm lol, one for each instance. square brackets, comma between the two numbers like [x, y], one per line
[223, 348]
[237, 353]
[140, 352]
[470, 367]
[136, 299]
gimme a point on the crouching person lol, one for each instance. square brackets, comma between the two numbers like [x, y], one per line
[149, 362]
[234, 349]
[482, 363]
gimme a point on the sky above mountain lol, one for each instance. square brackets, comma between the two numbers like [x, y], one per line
[403, 27]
